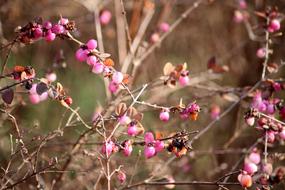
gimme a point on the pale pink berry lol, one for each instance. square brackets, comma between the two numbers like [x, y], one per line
[270, 136]
[149, 151]
[282, 134]
[91, 44]
[38, 32]
[63, 21]
[250, 168]
[250, 121]
[148, 138]
[270, 109]
[107, 148]
[105, 17]
[113, 87]
[133, 130]
[128, 148]
[58, 29]
[98, 68]
[164, 116]
[117, 77]
[183, 80]
[121, 177]
[164, 27]
[124, 120]
[50, 36]
[34, 98]
[261, 53]
[81, 55]
[43, 96]
[267, 168]
[91, 60]
[277, 86]
[154, 37]
[159, 146]
[33, 90]
[245, 180]
[274, 25]
[51, 77]
[242, 4]
[47, 25]
[238, 16]
[254, 157]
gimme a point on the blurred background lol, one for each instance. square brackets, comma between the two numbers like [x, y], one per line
[208, 31]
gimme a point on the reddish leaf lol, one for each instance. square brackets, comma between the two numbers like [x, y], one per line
[8, 96]
[212, 62]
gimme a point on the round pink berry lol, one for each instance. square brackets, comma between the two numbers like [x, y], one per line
[250, 121]
[117, 77]
[128, 148]
[274, 25]
[33, 90]
[91, 44]
[38, 32]
[154, 37]
[47, 25]
[282, 134]
[105, 17]
[107, 148]
[121, 177]
[238, 16]
[98, 68]
[34, 98]
[81, 55]
[242, 4]
[50, 36]
[250, 168]
[58, 29]
[149, 151]
[261, 53]
[183, 80]
[164, 27]
[245, 180]
[124, 120]
[43, 96]
[254, 157]
[132, 130]
[113, 87]
[148, 138]
[164, 116]
[271, 136]
[51, 77]
[91, 60]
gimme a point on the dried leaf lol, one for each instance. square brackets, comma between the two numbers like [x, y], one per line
[8, 96]
[104, 55]
[138, 116]
[168, 68]
[41, 88]
[120, 109]
[272, 68]
[132, 112]
[211, 62]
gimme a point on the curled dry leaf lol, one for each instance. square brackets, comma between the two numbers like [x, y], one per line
[120, 109]
[8, 96]
[168, 68]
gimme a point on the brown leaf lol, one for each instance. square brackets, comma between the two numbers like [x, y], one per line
[120, 109]
[168, 68]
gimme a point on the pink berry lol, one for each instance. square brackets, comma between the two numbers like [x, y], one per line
[270, 109]
[58, 29]
[33, 90]
[47, 25]
[128, 148]
[81, 55]
[34, 98]
[242, 4]
[183, 80]
[149, 151]
[98, 68]
[38, 32]
[159, 146]
[271, 136]
[124, 120]
[121, 177]
[274, 25]
[154, 37]
[43, 96]
[164, 116]
[50, 36]
[91, 60]
[117, 77]
[250, 121]
[105, 17]
[91, 44]
[276, 86]
[148, 138]
[245, 180]
[250, 168]
[261, 53]
[51, 77]
[254, 157]
[113, 87]
[63, 21]
[133, 130]
[238, 16]
[164, 27]
[282, 134]
[107, 148]
[267, 168]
